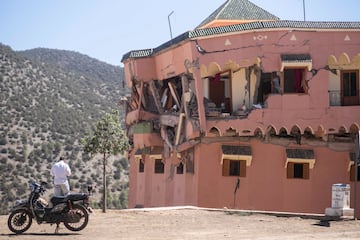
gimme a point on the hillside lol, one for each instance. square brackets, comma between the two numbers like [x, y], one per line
[49, 100]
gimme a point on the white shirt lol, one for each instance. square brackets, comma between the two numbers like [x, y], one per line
[60, 171]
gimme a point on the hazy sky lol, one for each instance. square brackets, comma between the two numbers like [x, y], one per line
[107, 29]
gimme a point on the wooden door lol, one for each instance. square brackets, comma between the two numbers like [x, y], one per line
[350, 87]
[217, 92]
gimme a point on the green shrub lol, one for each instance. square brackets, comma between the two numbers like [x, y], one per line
[3, 140]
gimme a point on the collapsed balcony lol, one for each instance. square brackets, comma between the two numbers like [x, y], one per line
[237, 101]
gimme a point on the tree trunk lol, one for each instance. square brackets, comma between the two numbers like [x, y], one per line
[104, 184]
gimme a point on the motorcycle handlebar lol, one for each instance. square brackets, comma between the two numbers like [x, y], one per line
[40, 188]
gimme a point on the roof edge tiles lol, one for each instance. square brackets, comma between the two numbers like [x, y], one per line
[205, 32]
[138, 53]
[295, 57]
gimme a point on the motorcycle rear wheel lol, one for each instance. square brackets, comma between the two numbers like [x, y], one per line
[80, 212]
[19, 221]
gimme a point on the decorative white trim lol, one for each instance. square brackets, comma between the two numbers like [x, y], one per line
[260, 37]
[351, 163]
[294, 64]
[247, 158]
[227, 42]
[156, 156]
[138, 157]
[300, 160]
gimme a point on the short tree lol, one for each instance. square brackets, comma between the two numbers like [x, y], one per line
[107, 139]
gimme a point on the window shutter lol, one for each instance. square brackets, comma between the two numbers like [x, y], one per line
[290, 170]
[226, 167]
[352, 173]
[306, 170]
[242, 168]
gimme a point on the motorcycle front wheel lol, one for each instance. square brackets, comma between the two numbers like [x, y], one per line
[19, 221]
[78, 218]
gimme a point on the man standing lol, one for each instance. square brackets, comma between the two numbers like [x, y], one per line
[61, 170]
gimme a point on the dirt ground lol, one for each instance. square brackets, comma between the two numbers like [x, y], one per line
[194, 224]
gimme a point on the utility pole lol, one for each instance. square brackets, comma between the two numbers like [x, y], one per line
[171, 37]
[356, 163]
[304, 10]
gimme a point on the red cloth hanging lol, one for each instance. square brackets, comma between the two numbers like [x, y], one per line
[217, 78]
[298, 75]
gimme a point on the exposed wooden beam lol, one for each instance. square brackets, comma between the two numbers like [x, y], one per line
[186, 95]
[174, 94]
[187, 145]
[156, 96]
[140, 97]
[179, 127]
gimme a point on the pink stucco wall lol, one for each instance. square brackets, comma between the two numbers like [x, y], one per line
[265, 186]
[247, 45]
[168, 189]
[141, 69]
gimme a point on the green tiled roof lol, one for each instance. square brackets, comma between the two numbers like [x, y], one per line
[236, 150]
[295, 57]
[239, 10]
[300, 153]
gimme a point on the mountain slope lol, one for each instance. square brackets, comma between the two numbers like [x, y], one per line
[49, 100]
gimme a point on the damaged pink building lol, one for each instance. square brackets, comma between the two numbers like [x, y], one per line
[246, 111]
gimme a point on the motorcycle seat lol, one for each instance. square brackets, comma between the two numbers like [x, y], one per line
[72, 197]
